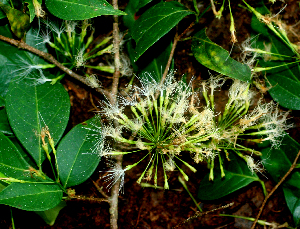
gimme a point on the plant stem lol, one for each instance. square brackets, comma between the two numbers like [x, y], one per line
[176, 39]
[275, 188]
[113, 210]
[22, 45]
[12, 219]
[87, 198]
[188, 191]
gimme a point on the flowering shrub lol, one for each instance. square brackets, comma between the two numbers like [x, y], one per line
[158, 118]
[168, 121]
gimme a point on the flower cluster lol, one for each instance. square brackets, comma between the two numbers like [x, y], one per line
[71, 42]
[166, 121]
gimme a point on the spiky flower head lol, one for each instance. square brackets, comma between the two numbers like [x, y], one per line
[165, 122]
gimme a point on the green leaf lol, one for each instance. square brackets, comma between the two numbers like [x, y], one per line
[4, 125]
[31, 9]
[2, 101]
[237, 176]
[286, 91]
[292, 198]
[142, 3]
[2, 186]
[12, 163]
[30, 108]
[277, 162]
[50, 215]
[2, 14]
[77, 155]
[130, 10]
[32, 196]
[155, 23]
[22, 152]
[80, 10]
[19, 22]
[216, 58]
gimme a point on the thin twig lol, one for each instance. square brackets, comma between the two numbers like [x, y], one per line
[176, 39]
[99, 189]
[88, 198]
[274, 189]
[22, 45]
[200, 214]
[113, 210]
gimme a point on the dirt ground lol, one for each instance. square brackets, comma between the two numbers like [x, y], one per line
[148, 208]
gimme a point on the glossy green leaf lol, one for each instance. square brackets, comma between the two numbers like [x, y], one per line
[15, 63]
[80, 10]
[32, 196]
[292, 197]
[50, 215]
[31, 9]
[237, 176]
[2, 101]
[2, 186]
[277, 162]
[142, 3]
[155, 23]
[4, 125]
[18, 20]
[130, 10]
[286, 91]
[216, 58]
[12, 163]
[77, 155]
[22, 152]
[30, 108]
[2, 14]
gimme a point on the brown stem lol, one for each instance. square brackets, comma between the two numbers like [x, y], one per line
[163, 78]
[100, 189]
[200, 214]
[113, 210]
[22, 45]
[116, 43]
[88, 198]
[274, 189]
